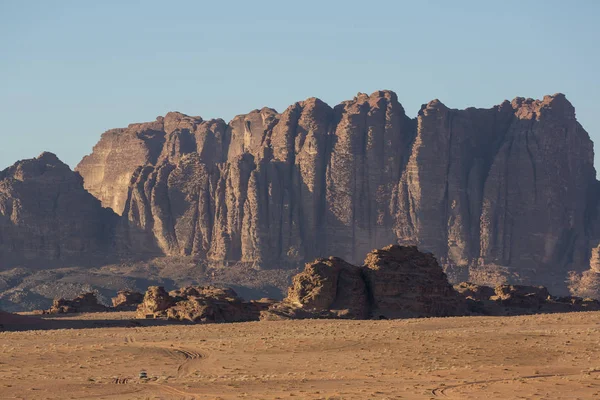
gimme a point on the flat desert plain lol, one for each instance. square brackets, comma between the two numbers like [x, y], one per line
[528, 357]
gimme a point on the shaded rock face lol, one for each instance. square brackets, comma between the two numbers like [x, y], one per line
[519, 299]
[127, 300]
[394, 282]
[46, 216]
[498, 195]
[200, 304]
[404, 282]
[84, 303]
[473, 291]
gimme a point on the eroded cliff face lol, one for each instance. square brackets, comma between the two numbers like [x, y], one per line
[496, 194]
[47, 218]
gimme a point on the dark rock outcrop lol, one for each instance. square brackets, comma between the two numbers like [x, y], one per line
[47, 217]
[84, 303]
[394, 282]
[200, 304]
[505, 195]
[519, 299]
[127, 300]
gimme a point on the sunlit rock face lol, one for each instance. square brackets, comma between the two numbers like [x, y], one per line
[497, 195]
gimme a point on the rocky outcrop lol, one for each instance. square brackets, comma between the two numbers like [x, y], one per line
[473, 291]
[199, 304]
[519, 299]
[587, 284]
[327, 288]
[127, 300]
[84, 303]
[499, 195]
[46, 217]
[394, 282]
[156, 300]
[404, 282]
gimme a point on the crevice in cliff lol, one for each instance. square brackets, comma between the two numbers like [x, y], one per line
[447, 206]
[507, 229]
[531, 159]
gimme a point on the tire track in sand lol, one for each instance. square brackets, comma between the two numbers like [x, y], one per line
[440, 391]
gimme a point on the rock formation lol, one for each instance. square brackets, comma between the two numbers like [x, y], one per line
[519, 299]
[46, 216]
[394, 282]
[327, 288]
[84, 303]
[127, 300]
[199, 304]
[587, 284]
[498, 195]
[505, 195]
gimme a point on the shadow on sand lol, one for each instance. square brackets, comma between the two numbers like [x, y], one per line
[15, 323]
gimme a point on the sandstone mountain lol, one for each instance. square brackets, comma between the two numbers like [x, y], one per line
[500, 195]
[47, 218]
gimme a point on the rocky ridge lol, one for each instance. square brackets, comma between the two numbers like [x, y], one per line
[500, 195]
[394, 282]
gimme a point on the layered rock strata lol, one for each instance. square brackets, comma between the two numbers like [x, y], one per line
[498, 195]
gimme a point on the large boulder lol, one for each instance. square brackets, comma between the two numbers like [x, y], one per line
[394, 282]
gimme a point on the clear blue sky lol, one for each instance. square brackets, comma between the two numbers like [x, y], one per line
[69, 70]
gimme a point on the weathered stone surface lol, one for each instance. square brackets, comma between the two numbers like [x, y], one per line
[404, 282]
[499, 195]
[156, 301]
[473, 291]
[327, 288]
[519, 299]
[587, 284]
[127, 300]
[505, 195]
[46, 217]
[394, 282]
[200, 304]
[85, 302]
[520, 296]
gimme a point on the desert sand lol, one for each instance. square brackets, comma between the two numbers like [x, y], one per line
[527, 357]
